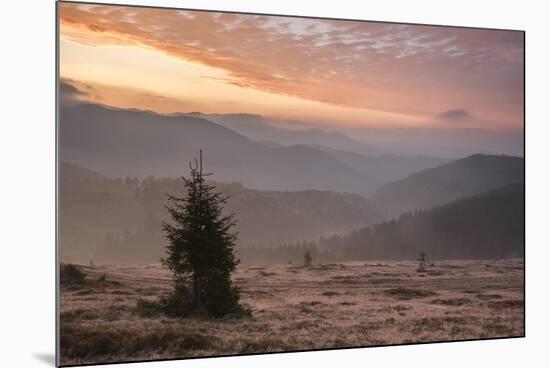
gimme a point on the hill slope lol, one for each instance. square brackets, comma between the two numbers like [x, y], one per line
[443, 184]
[118, 143]
[119, 220]
[490, 225]
[384, 168]
[259, 128]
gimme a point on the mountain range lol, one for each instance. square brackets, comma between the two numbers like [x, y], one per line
[129, 142]
[259, 128]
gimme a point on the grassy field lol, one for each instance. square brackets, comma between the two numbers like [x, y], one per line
[295, 308]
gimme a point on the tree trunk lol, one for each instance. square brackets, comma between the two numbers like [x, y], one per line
[195, 290]
[199, 301]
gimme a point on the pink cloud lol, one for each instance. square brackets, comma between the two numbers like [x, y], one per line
[420, 70]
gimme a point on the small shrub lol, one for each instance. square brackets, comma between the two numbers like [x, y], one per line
[421, 262]
[69, 274]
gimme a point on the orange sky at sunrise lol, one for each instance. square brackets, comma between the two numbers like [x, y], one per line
[357, 74]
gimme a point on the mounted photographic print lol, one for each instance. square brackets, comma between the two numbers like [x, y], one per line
[234, 183]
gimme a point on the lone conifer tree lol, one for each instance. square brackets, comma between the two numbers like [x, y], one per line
[421, 262]
[201, 249]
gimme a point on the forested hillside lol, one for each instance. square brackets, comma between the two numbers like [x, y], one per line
[459, 179]
[119, 220]
[490, 225]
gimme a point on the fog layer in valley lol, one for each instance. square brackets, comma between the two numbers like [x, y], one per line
[292, 190]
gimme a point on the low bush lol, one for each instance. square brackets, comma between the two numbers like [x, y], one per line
[69, 274]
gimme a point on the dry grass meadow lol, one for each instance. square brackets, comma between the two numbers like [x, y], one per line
[294, 308]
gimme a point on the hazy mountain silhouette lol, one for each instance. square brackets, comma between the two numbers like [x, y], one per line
[120, 142]
[488, 225]
[443, 184]
[386, 167]
[131, 211]
[130, 142]
[259, 128]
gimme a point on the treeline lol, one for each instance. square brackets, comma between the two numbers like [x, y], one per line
[119, 220]
[142, 245]
[491, 225]
[485, 226]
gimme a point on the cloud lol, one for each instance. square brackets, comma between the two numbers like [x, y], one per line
[455, 115]
[404, 69]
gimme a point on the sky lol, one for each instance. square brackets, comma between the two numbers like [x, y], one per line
[345, 74]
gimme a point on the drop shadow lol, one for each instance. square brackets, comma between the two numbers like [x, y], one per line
[46, 358]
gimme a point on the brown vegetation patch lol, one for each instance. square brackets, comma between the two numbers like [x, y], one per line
[384, 280]
[347, 279]
[489, 296]
[308, 309]
[266, 274]
[453, 302]
[312, 303]
[326, 266]
[497, 329]
[263, 345]
[78, 314]
[121, 292]
[407, 294]
[506, 304]
[100, 344]
[348, 303]
[433, 325]
[256, 292]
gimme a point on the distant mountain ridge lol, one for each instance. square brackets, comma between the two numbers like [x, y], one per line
[259, 128]
[120, 142]
[388, 167]
[446, 183]
[129, 142]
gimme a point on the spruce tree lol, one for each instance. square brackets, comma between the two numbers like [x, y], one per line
[421, 262]
[201, 245]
